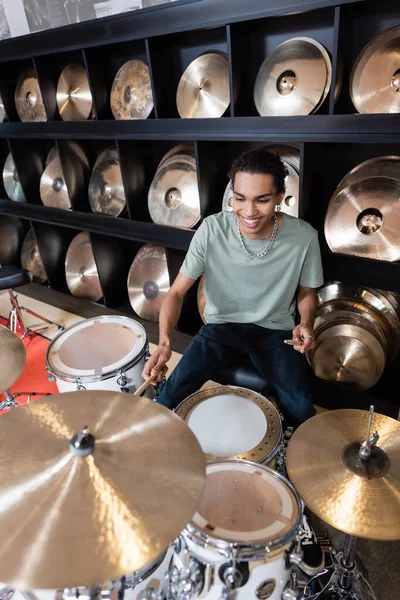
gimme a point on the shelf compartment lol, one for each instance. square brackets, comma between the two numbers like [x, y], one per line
[12, 234]
[367, 272]
[30, 161]
[10, 72]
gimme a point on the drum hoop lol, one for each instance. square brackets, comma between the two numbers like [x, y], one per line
[267, 447]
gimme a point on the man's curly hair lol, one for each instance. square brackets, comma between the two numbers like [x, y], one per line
[260, 162]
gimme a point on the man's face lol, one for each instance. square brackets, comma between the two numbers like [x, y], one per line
[254, 202]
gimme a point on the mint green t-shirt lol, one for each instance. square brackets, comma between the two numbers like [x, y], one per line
[243, 289]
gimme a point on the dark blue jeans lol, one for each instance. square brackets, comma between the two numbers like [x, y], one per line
[215, 346]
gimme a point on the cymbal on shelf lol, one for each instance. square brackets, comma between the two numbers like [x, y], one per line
[11, 181]
[131, 92]
[2, 110]
[74, 98]
[28, 98]
[12, 358]
[81, 270]
[186, 148]
[106, 188]
[53, 189]
[31, 259]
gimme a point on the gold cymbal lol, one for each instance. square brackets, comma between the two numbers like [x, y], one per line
[81, 520]
[359, 497]
[203, 89]
[53, 189]
[28, 98]
[106, 188]
[375, 78]
[201, 298]
[12, 358]
[131, 93]
[11, 181]
[31, 259]
[74, 98]
[81, 270]
[148, 281]
[294, 79]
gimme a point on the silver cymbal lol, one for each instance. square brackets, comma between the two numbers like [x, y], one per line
[131, 93]
[148, 281]
[31, 259]
[28, 98]
[74, 98]
[81, 270]
[53, 189]
[106, 188]
[11, 181]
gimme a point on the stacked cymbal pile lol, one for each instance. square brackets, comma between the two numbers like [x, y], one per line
[357, 333]
[81, 269]
[106, 189]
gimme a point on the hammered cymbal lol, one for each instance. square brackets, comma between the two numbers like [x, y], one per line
[201, 298]
[294, 79]
[74, 98]
[12, 358]
[203, 90]
[53, 189]
[11, 181]
[106, 188]
[131, 93]
[31, 259]
[28, 98]
[375, 78]
[92, 518]
[360, 498]
[81, 270]
[148, 281]
[186, 148]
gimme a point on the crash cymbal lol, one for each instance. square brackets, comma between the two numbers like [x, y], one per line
[93, 517]
[173, 197]
[294, 79]
[53, 189]
[74, 98]
[358, 497]
[363, 216]
[81, 270]
[201, 298]
[11, 181]
[131, 93]
[28, 98]
[30, 258]
[12, 358]
[203, 89]
[375, 78]
[148, 281]
[106, 189]
[186, 148]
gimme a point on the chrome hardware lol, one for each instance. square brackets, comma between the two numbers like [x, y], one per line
[265, 589]
[51, 377]
[369, 442]
[122, 380]
[79, 386]
[290, 594]
[185, 583]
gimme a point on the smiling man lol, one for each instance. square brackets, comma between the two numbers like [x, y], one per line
[259, 263]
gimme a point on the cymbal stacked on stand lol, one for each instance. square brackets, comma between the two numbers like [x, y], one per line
[106, 188]
[131, 92]
[81, 270]
[53, 189]
[31, 259]
[74, 98]
[28, 98]
[12, 184]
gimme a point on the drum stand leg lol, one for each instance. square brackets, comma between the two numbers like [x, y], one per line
[15, 320]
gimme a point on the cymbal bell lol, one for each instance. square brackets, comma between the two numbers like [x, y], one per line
[53, 189]
[12, 358]
[31, 259]
[28, 98]
[131, 92]
[11, 181]
[106, 188]
[358, 497]
[74, 98]
[81, 270]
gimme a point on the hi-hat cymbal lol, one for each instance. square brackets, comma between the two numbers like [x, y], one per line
[81, 270]
[53, 189]
[148, 281]
[359, 497]
[294, 79]
[173, 197]
[201, 297]
[375, 78]
[186, 148]
[12, 358]
[74, 98]
[106, 189]
[131, 93]
[363, 216]
[81, 520]
[11, 181]
[28, 98]
[203, 89]
[31, 259]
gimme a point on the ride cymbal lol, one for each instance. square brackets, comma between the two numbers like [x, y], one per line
[11, 181]
[375, 78]
[12, 358]
[106, 188]
[31, 259]
[74, 98]
[28, 98]
[53, 189]
[358, 497]
[81, 270]
[148, 281]
[203, 89]
[294, 79]
[131, 93]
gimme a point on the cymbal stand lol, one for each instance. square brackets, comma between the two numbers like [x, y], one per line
[15, 319]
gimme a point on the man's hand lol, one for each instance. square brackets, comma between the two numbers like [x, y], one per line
[303, 333]
[156, 365]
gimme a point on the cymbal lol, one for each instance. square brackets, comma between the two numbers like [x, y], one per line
[81, 270]
[28, 98]
[53, 189]
[360, 498]
[51, 155]
[2, 110]
[203, 89]
[106, 189]
[31, 259]
[294, 79]
[363, 216]
[86, 519]
[12, 358]
[74, 98]
[11, 181]
[201, 298]
[131, 93]
[173, 197]
[186, 148]
[148, 281]
[375, 78]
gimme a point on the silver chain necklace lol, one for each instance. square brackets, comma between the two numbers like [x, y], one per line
[268, 246]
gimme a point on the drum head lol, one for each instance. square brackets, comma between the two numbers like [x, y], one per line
[233, 422]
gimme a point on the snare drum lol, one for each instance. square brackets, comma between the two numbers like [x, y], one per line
[242, 536]
[233, 422]
[101, 353]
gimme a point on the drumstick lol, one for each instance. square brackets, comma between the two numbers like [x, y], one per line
[292, 342]
[145, 385]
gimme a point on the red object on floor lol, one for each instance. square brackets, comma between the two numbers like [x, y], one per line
[34, 375]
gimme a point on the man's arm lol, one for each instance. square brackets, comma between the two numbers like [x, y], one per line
[307, 303]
